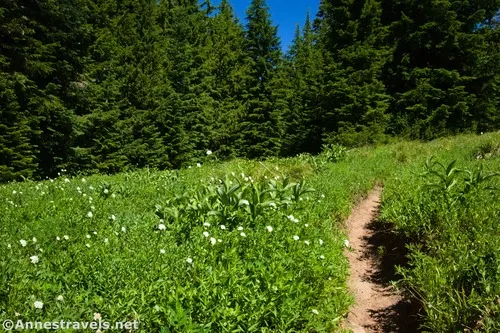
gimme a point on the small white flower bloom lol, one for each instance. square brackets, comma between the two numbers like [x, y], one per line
[97, 316]
[89, 215]
[223, 227]
[242, 234]
[34, 239]
[66, 237]
[157, 308]
[58, 238]
[296, 237]
[189, 260]
[198, 165]
[66, 180]
[38, 304]
[240, 228]
[60, 298]
[92, 207]
[213, 241]
[88, 236]
[95, 232]
[23, 242]
[244, 202]
[161, 226]
[320, 242]
[106, 191]
[113, 195]
[91, 187]
[307, 242]
[106, 240]
[34, 259]
[219, 240]
[124, 229]
[269, 228]
[346, 243]
[78, 189]
[162, 251]
[322, 257]
[322, 196]
[206, 224]
[247, 179]
[316, 312]
[9, 246]
[83, 180]
[87, 245]
[84, 195]
[206, 234]
[41, 250]
[113, 218]
[306, 225]
[209, 152]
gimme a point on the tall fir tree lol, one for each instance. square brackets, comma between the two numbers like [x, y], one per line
[261, 127]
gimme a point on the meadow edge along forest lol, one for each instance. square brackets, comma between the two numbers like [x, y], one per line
[167, 163]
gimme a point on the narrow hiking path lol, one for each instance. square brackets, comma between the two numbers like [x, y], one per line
[372, 256]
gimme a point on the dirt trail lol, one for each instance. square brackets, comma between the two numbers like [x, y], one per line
[378, 307]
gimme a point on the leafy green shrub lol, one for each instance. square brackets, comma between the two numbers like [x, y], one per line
[451, 219]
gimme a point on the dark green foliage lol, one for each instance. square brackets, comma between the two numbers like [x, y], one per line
[260, 128]
[110, 85]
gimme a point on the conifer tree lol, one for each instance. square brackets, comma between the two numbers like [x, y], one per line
[261, 127]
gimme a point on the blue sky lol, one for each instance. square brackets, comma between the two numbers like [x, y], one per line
[285, 13]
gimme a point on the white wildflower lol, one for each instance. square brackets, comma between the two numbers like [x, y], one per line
[209, 152]
[322, 257]
[306, 225]
[83, 180]
[34, 259]
[189, 260]
[320, 242]
[66, 180]
[66, 237]
[206, 224]
[213, 241]
[161, 226]
[162, 251]
[91, 187]
[34, 240]
[9, 246]
[206, 234]
[307, 242]
[124, 229]
[240, 228]
[113, 218]
[89, 215]
[106, 191]
[244, 202]
[242, 234]
[58, 238]
[92, 207]
[316, 312]
[23, 242]
[38, 304]
[269, 228]
[223, 227]
[97, 316]
[296, 237]
[88, 236]
[14, 192]
[113, 195]
[198, 165]
[106, 241]
[346, 243]
[87, 245]
[60, 298]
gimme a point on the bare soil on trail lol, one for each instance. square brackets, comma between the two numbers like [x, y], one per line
[372, 256]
